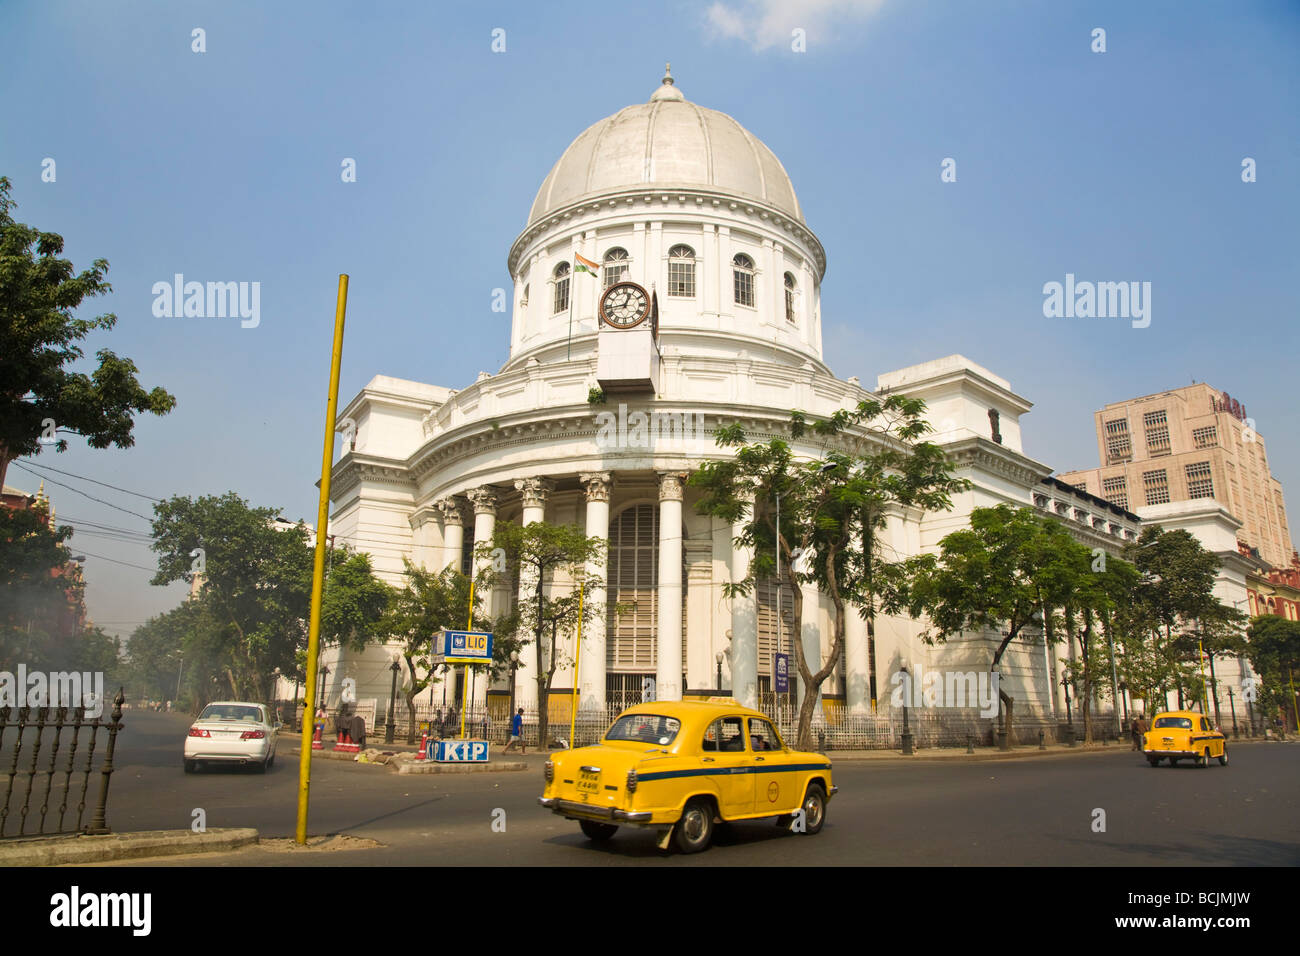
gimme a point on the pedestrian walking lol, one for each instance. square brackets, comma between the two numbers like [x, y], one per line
[516, 732]
[1139, 731]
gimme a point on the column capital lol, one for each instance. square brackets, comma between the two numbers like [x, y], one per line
[672, 485]
[484, 499]
[452, 513]
[597, 484]
[534, 491]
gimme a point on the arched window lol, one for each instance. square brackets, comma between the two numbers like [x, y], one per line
[681, 271]
[742, 271]
[789, 297]
[616, 265]
[561, 288]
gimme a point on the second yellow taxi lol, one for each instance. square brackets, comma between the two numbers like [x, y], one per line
[683, 767]
[1184, 735]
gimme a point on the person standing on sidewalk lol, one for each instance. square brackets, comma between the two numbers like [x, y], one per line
[516, 733]
[1139, 732]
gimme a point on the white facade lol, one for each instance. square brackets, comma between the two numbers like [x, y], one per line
[432, 469]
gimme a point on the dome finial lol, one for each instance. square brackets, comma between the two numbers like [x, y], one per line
[666, 90]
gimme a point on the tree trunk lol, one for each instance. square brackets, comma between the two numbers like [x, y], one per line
[1008, 703]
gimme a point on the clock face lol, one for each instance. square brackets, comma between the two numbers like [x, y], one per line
[624, 305]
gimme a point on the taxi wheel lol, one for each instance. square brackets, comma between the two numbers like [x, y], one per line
[1223, 758]
[1154, 761]
[1173, 761]
[597, 831]
[814, 809]
[1204, 759]
[694, 831]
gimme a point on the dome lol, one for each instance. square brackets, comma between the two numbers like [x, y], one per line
[666, 142]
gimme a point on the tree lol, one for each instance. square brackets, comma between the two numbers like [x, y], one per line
[33, 594]
[427, 602]
[537, 555]
[38, 294]
[1000, 574]
[831, 514]
[1274, 653]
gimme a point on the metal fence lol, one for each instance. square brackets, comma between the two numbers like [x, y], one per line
[50, 755]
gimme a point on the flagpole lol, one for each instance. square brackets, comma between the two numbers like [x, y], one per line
[573, 287]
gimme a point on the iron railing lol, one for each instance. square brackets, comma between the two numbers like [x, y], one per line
[48, 743]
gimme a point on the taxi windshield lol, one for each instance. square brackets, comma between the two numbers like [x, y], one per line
[645, 729]
[1184, 723]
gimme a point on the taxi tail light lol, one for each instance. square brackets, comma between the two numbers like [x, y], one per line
[631, 781]
[252, 735]
[548, 771]
[199, 732]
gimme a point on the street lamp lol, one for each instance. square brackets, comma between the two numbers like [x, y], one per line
[1069, 714]
[514, 665]
[275, 692]
[719, 659]
[907, 733]
[320, 698]
[1233, 706]
[391, 727]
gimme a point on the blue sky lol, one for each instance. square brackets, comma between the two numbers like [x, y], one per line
[224, 165]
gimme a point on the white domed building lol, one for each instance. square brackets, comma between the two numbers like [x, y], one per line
[691, 207]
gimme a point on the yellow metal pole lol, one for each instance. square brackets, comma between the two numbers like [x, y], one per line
[577, 658]
[1205, 701]
[318, 570]
[464, 668]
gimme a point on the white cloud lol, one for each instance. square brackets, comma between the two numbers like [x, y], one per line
[767, 23]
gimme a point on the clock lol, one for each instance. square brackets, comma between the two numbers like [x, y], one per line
[624, 305]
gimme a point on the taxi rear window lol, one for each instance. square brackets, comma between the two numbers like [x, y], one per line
[1183, 723]
[645, 729]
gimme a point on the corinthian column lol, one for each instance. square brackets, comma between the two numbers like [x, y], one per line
[744, 622]
[453, 532]
[534, 492]
[591, 666]
[484, 500]
[668, 677]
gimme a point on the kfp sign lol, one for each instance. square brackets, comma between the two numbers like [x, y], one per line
[458, 751]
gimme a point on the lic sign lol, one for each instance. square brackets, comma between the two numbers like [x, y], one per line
[458, 751]
[473, 647]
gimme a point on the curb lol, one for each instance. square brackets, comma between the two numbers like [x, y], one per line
[425, 766]
[59, 851]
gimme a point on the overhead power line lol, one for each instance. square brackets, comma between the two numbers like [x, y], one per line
[82, 493]
[93, 481]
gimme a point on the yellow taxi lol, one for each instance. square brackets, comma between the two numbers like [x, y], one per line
[682, 767]
[1184, 735]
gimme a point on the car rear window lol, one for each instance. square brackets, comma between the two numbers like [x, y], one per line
[230, 712]
[645, 729]
[1182, 723]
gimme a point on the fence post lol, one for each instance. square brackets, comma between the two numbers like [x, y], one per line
[97, 822]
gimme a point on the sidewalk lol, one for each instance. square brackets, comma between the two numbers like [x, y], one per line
[76, 848]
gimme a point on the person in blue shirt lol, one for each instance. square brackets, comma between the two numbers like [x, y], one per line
[516, 732]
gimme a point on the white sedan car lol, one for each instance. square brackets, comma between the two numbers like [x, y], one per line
[232, 732]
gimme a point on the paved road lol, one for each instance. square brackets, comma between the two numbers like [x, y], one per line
[1029, 811]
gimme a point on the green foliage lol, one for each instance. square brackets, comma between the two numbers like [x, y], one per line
[39, 293]
[831, 512]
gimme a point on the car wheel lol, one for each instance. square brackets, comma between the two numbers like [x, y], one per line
[191, 766]
[260, 767]
[694, 831]
[814, 809]
[1204, 759]
[1154, 761]
[270, 761]
[600, 832]
[1173, 761]
[1223, 758]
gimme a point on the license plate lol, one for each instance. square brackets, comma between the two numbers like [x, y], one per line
[588, 781]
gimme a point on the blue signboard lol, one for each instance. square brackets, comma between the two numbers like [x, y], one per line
[458, 751]
[781, 665]
[467, 646]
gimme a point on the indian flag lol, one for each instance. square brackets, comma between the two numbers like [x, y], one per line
[582, 264]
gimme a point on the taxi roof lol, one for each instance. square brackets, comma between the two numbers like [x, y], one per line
[1179, 713]
[699, 708]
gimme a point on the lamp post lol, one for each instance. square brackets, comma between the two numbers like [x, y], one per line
[1123, 695]
[907, 732]
[1233, 707]
[719, 659]
[1069, 714]
[275, 685]
[390, 728]
[320, 698]
[514, 665]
